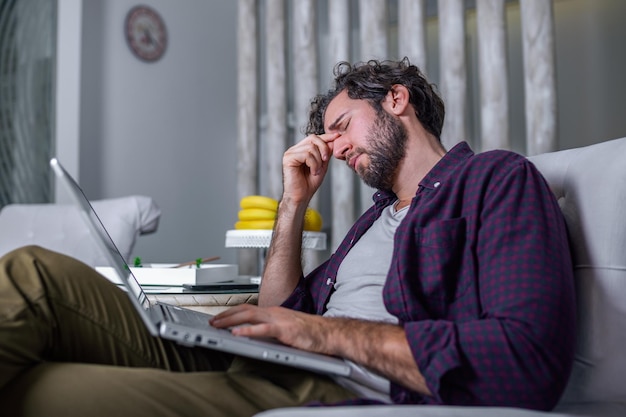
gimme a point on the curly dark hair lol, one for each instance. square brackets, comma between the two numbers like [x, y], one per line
[371, 81]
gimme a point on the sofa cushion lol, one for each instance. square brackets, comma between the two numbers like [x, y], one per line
[59, 227]
[590, 184]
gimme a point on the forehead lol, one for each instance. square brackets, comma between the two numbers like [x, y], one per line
[339, 107]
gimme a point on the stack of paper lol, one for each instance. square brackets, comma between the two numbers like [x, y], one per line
[168, 276]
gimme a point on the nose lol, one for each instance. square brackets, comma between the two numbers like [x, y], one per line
[341, 147]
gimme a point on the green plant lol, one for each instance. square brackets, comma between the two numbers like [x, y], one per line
[137, 262]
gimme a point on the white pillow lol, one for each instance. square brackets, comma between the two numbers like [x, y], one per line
[60, 228]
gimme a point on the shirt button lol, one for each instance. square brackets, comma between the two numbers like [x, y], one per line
[329, 281]
[437, 184]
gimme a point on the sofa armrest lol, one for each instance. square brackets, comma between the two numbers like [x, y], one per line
[582, 410]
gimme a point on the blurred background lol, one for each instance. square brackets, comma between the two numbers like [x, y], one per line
[174, 128]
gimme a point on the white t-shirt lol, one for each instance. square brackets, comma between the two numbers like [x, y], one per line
[359, 293]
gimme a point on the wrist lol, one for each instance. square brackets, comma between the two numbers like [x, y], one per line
[336, 336]
[292, 207]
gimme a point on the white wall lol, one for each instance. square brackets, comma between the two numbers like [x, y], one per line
[591, 63]
[67, 88]
[165, 129]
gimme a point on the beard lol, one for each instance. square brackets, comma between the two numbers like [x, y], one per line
[387, 138]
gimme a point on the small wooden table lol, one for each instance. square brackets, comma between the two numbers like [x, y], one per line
[206, 303]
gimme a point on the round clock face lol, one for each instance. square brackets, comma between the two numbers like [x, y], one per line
[145, 33]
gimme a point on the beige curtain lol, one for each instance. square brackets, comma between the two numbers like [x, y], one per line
[287, 48]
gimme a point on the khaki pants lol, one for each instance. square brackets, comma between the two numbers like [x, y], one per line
[72, 344]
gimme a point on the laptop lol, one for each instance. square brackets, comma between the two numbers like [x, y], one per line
[185, 326]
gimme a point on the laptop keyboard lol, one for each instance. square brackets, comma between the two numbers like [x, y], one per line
[187, 317]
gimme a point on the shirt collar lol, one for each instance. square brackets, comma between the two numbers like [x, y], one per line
[451, 160]
[383, 198]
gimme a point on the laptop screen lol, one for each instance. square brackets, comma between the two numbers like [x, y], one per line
[100, 234]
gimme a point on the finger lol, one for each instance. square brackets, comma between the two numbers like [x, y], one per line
[327, 151]
[328, 140]
[329, 137]
[234, 310]
[308, 154]
[316, 162]
[254, 330]
[234, 316]
[323, 143]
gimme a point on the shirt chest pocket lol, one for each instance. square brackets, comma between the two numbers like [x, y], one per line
[433, 264]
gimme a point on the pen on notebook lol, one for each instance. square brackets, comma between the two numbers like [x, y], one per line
[197, 262]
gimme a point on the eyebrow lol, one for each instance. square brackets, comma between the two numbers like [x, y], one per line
[337, 121]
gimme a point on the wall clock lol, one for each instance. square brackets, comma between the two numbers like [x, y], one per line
[146, 34]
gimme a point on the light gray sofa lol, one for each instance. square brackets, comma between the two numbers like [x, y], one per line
[590, 183]
[60, 228]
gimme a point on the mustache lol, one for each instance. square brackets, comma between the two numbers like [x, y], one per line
[353, 154]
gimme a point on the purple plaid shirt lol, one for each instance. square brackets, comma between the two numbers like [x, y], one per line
[481, 279]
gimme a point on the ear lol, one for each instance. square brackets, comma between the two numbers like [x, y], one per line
[397, 100]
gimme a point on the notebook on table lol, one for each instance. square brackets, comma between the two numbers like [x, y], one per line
[185, 326]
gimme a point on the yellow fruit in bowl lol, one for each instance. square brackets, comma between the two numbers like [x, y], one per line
[259, 202]
[259, 213]
[256, 214]
[312, 220]
[254, 225]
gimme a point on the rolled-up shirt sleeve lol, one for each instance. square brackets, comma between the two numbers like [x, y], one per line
[300, 298]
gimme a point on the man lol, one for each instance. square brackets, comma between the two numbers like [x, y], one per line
[455, 287]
